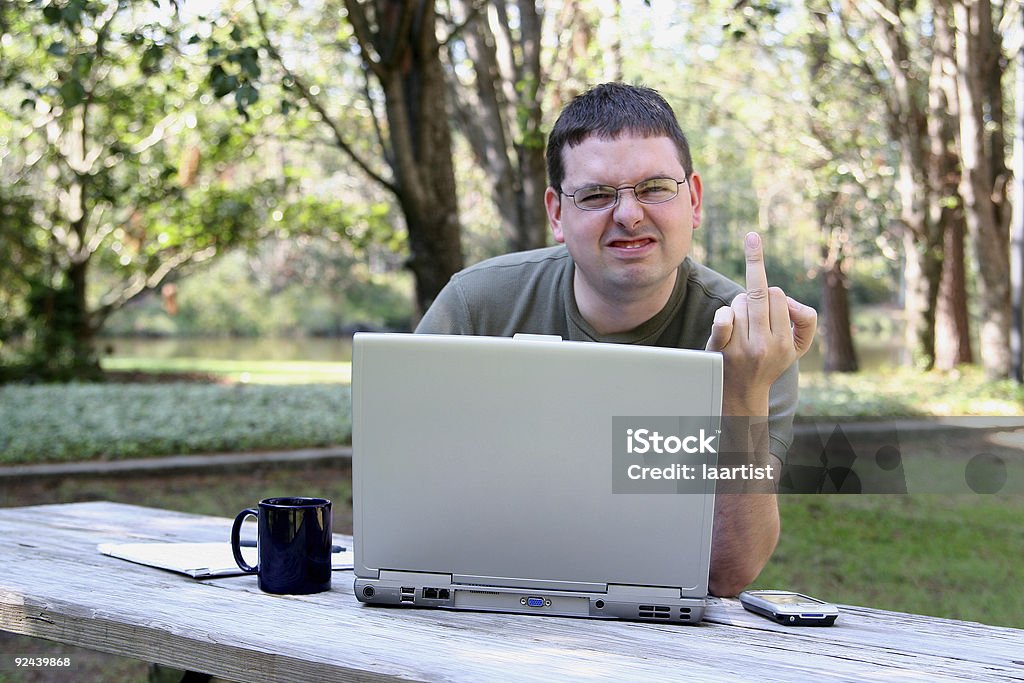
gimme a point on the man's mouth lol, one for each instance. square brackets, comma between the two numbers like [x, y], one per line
[631, 244]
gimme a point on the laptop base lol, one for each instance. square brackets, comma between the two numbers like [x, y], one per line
[442, 593]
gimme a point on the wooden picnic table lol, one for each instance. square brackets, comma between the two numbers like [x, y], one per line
[54, 584]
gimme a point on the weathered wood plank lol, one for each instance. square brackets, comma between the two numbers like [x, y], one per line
[54, 584]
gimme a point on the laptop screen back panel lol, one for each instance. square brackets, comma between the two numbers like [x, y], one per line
[490, 460]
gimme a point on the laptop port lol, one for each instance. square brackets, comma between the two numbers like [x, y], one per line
[430, 593]
[444, 593]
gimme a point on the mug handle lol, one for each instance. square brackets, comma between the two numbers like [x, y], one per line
[236, 529]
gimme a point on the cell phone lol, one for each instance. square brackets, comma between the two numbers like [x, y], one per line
[790, 609]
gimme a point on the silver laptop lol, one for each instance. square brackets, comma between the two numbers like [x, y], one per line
[504, 475]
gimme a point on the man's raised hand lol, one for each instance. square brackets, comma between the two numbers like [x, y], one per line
[761, 334]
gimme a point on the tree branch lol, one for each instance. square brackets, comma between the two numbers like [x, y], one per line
[155, 136]
[140, 283]
[455, 30]
[892, 108]
[361, 29]
[884, 12]
[339, 136]
[389, 155]
[399, 45]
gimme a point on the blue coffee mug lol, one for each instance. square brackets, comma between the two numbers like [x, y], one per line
[293, 545]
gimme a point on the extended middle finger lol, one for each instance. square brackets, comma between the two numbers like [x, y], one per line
[757, 281]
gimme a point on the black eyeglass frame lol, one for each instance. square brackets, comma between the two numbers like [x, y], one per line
[620, 189]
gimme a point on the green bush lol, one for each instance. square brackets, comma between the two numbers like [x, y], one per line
[50, 423]
[281, 289]
[894, 392]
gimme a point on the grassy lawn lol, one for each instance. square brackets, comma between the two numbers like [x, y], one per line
[947, 556]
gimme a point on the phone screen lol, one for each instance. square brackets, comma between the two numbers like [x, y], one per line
[787, 598]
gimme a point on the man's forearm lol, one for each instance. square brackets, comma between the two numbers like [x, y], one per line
[746, 510]
[746, 531]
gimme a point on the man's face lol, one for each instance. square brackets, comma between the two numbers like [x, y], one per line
[632, 250]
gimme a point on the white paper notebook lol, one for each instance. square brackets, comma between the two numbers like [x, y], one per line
[198, 560]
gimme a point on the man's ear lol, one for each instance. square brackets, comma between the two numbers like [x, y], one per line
[553, 204]
[696, 189]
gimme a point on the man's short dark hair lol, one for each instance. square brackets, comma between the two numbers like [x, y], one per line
[608, 111]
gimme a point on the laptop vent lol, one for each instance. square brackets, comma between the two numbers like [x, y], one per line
[655, 612]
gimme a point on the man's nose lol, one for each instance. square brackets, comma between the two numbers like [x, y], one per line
[629, 211]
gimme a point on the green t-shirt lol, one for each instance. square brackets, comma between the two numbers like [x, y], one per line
[532, 292]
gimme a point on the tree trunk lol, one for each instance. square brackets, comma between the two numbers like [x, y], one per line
[434, 235]
[839, 354]
[84, 361]
[921, 271]
[983, 187]
[403, 53]
[530, 143]
[952, 328]
[501, 118]
[908, 121]
[836, 333]
[71, 332]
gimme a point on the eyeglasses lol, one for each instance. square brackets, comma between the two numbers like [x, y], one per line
[600, 197]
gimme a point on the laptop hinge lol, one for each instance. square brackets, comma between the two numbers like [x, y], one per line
[626, 592]
[523, 336]
[532, 584]
[414, 577]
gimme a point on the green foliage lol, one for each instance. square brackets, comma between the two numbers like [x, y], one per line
[235, 67]
[752, 18]
[53, 322]
[305, 286]
[122, 172]
[50, 423]
[741, 87]
[163, 181]
[112, 161]
[905, 391]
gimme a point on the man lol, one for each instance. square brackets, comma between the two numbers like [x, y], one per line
[623, 201]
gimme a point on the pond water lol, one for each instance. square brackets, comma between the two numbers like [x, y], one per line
[872, 355]
[220, 348]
